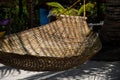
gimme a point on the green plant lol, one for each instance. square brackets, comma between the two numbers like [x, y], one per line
[89, 7]
[57, 8]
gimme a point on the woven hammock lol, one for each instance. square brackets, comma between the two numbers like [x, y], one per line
[60, 45]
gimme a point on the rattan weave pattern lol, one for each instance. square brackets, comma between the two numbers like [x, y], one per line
[59, 45]
[33, 63]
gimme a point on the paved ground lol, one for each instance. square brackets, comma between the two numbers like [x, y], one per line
[92, 70]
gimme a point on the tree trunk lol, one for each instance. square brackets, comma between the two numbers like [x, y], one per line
[110, 32]
[30, 12]
[20, 8]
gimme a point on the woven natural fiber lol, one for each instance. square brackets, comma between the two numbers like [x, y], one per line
[33, 63]
[59, 45]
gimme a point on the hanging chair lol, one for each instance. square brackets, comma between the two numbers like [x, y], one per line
[60, 45]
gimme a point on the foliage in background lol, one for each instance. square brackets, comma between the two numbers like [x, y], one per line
[12, 10]
[57, 9]
[91, 10]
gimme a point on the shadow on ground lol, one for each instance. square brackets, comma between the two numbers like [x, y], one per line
[91, 70]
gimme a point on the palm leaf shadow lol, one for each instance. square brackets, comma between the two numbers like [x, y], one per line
[110, 70]
[6, 71]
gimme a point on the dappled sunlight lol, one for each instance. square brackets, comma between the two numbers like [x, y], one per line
[9, 73]
[6, 71]
[91, 70]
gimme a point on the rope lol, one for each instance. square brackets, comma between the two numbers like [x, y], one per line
[84, 13]
[70, 7]
[73, 5]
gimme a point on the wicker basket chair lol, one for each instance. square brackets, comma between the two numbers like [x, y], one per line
[60, 45]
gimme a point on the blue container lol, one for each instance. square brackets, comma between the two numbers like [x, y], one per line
[44, 16]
